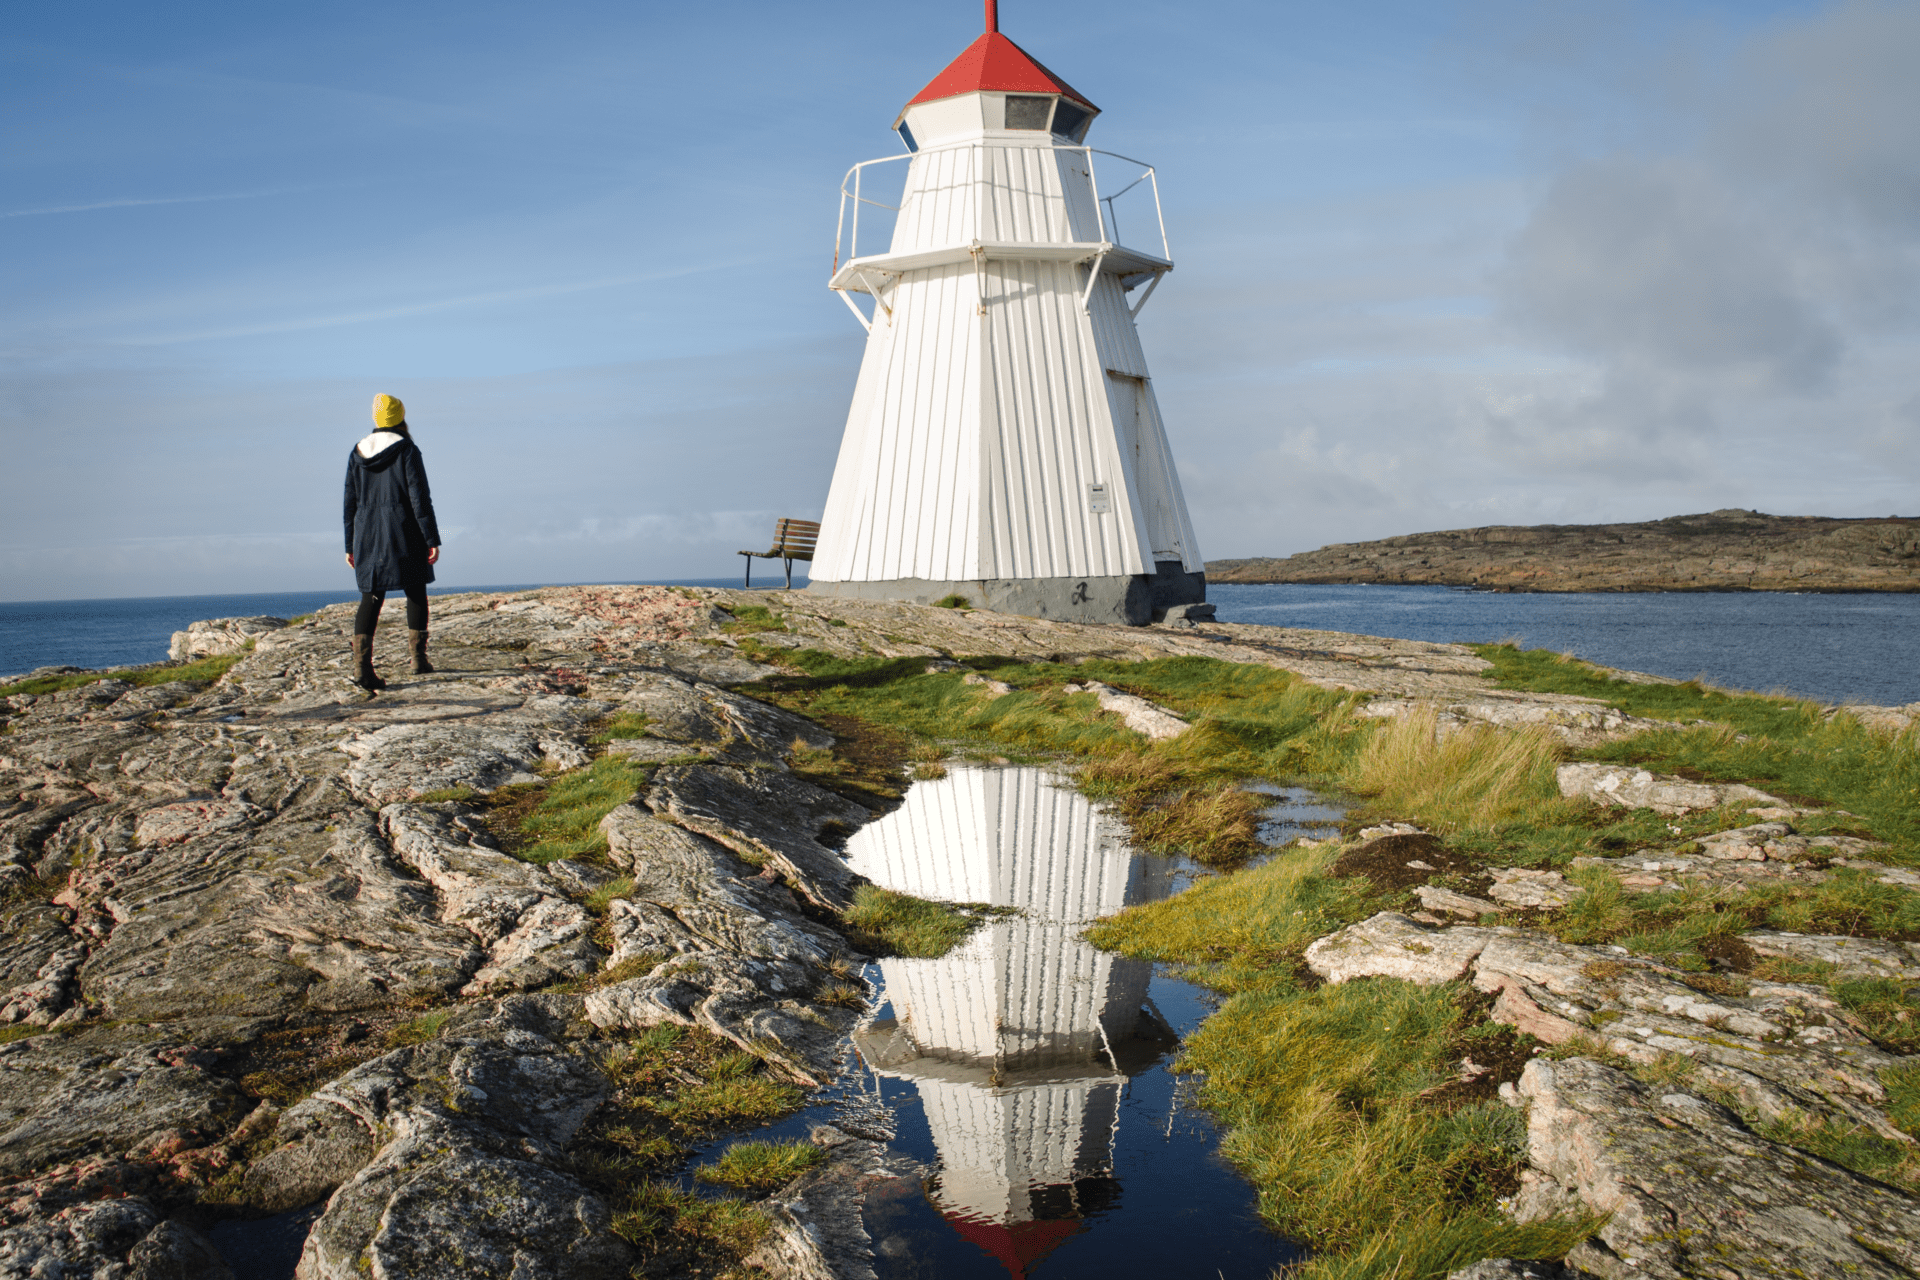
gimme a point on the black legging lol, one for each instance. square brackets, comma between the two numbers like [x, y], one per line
[369, 615]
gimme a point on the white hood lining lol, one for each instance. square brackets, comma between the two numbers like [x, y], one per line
[377, 441]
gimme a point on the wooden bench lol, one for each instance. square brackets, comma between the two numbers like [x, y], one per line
[792, 540]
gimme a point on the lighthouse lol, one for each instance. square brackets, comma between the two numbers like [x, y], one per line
[1004, 444]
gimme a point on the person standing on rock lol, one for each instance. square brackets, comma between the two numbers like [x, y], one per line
[392, 539]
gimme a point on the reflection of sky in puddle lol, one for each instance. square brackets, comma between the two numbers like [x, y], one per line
[1294, 813]
[1030, 1067]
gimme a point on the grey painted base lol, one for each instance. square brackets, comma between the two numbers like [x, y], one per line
[1131, 599]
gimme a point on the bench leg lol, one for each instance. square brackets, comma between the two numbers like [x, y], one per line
[747, 584]
[789, 575]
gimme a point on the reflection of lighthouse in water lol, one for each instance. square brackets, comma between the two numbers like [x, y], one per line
[1021, 1040]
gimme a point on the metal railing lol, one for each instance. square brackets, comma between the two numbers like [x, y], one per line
[846, 236]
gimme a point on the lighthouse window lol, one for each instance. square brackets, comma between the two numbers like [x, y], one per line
[1068, 120]
[906, 136]
[1027, 113]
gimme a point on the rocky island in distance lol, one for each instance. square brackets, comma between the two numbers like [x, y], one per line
[1726, 550]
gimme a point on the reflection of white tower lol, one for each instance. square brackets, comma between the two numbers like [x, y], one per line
[1005, 442]
[1019, 1041]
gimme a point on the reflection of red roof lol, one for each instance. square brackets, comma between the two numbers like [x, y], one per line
[1016, 1245]
[995, 63]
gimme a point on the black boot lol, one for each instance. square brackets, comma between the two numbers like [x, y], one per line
[417, 646]
[363, 673]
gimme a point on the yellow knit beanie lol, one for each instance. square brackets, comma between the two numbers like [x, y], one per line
[388, 411]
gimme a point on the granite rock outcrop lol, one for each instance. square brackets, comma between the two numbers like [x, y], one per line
[1688, 1186]
[197, 874]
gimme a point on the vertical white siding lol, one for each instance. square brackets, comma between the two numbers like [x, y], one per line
[1114, 334]
[1047, 433]
[1154, 484]
[989, 192]
[1161, 497]
[849, 497]
[907, 507]
[940, 202]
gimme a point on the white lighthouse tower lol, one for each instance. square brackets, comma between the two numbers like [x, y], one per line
[1004, 442]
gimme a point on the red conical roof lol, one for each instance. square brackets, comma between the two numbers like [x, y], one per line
[995, 63]
[1017, 1246]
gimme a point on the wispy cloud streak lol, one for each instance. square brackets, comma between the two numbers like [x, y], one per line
[437, 304]
[131, 202]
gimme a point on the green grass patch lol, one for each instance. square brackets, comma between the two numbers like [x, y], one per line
[422, 1029]
[632, 967]
[1476, 777]
[21, 890]
[1854, 1147]
[1903, 1097]
[760, 1167]
[953, 602]
[659, 1218]
[1341, 1103]
[674, 1089]
[897, 924]
[1676, 925]
[600, 899]
[1788, 746]
[1889, 1010]
[561, 818]
[205, 671]
[1323, 1090]
[752, 619]
[620, 725]
[1235, 931]
[738, 1090]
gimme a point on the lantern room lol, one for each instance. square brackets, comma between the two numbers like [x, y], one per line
[995, 87]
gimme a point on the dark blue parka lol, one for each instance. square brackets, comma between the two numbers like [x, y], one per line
[389, 514]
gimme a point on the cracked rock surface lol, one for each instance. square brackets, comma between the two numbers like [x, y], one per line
[1691, 1189]
[1693, 1192]
[193, 870]
[1784, 1049]
[819, 1228]
[190, 873]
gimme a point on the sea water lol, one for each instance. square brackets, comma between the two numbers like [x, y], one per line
[1837, 648]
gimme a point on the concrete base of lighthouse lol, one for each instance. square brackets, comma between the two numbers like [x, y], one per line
[1133, 600]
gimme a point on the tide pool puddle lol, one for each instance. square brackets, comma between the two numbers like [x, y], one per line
[1027, 1067]
[1296, 813]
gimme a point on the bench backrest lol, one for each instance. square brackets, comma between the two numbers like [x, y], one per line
[795, 539]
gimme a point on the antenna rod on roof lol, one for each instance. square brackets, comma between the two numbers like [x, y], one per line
[993, 16]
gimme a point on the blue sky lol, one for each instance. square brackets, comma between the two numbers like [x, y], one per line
[1438, 265]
